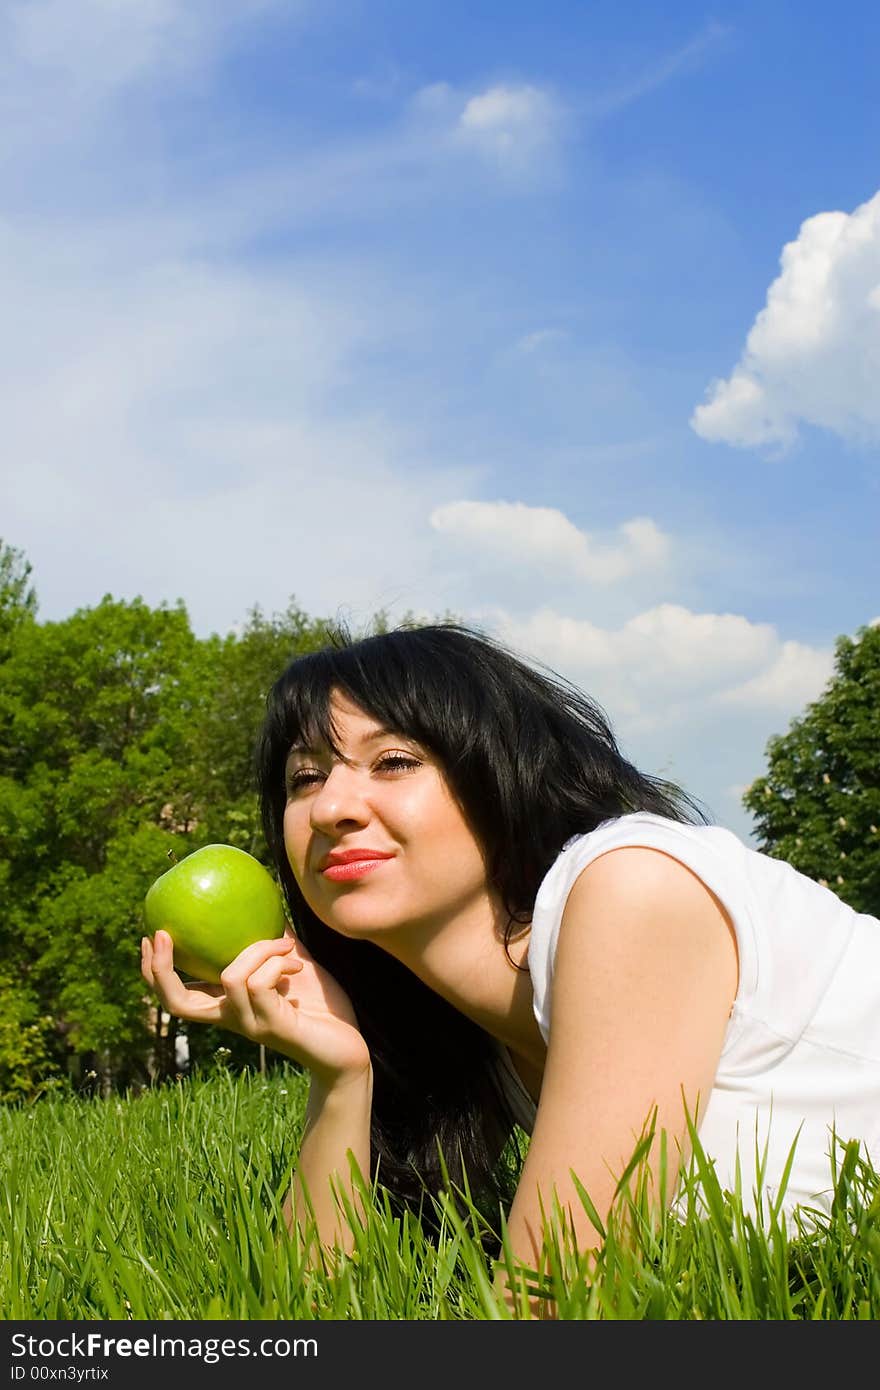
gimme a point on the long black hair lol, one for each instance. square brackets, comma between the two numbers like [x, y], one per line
[531, 761]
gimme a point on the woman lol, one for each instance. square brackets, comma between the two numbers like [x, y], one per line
[499, 921]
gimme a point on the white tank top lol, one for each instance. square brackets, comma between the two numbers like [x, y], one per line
[801, 1055]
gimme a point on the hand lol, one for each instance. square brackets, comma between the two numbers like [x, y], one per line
[274, 993]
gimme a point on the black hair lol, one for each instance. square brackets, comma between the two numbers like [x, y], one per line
[532, 761]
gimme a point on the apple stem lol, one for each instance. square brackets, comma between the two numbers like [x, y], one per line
[173, 857]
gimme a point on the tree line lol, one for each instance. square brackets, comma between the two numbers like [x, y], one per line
[124, 735]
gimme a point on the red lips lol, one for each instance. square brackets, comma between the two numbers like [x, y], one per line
[351, 856]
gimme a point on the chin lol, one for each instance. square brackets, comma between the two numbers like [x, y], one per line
[355, 928]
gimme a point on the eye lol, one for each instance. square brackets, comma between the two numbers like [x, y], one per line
[392, 763]
[397, 762]
[301, 777]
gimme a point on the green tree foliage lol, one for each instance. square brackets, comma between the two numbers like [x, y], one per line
[818, 806]
[124, 740]
[18, 598]
[236, 673]
[95, 723]
[26, 1066]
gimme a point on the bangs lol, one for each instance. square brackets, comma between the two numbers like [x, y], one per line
[406, 686]
[301, 713]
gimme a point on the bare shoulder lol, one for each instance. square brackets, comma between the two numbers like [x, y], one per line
[650, 883]
[640, 867]
[641, 911]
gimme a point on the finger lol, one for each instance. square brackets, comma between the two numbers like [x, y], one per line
[194, 1001]
[235, 977]
[147, 960]
[161, 966]
[267, 985]
[163, 954]
[252, 957]
[290, 968]
[267, 975]
[302, 950]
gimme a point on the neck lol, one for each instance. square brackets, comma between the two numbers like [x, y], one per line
[467, 965]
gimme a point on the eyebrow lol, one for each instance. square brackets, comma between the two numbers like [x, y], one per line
[367, 738]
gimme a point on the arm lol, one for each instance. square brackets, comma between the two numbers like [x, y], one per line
[337, 1124]
[644, 980]
[275, 993]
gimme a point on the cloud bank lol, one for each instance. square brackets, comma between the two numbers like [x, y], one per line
[667, 661]
[543, 536]
[813, 353]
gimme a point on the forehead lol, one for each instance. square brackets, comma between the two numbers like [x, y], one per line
[350, 724]
[342, 706]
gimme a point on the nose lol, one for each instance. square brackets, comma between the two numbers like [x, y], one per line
[340, 800]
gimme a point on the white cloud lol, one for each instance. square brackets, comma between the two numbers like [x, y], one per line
[668, 643]
[666, 662]
[108, 43]
[813, 353]
[515, 128]
[796, 676]
[543, 537]
[690, 696]
[511, 125]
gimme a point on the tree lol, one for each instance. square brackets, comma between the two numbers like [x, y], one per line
[123, 739]
[235, 674]
[818, 806]
[18, 598]
[97, 714]
[25, 1054]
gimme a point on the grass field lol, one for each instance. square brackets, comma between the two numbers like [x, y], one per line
[168, 1206]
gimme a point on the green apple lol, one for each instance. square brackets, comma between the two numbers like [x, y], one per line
[214, 902]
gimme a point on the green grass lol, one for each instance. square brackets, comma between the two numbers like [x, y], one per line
[168, 1206]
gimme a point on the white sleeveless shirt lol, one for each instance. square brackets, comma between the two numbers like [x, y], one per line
[801, 1053]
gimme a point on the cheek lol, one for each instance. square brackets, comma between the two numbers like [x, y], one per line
[442, 825]
[294, 841]
[428, 806]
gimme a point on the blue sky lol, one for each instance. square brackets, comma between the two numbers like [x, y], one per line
[562, 318]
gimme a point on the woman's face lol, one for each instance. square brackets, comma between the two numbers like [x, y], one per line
[388, 796]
